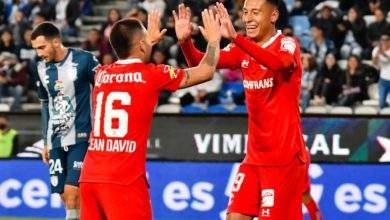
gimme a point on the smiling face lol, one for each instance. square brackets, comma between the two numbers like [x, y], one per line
[259, 17]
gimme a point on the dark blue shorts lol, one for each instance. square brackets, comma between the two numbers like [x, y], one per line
[65, 166]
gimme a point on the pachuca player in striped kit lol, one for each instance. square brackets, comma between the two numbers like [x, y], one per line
[65, 77]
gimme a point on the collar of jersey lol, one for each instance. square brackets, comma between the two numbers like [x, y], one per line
[128, 61]
[270, 41]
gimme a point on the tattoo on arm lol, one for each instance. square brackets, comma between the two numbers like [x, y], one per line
[186, 76]
[212, 54]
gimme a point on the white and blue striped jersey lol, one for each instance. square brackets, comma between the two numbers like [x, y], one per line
[65, 90]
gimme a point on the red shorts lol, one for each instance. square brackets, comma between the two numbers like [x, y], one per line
[306, 182]
[269, 192]
[101, 201]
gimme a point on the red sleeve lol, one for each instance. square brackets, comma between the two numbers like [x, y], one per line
[283, 61]
[230, 57]
[166, 77]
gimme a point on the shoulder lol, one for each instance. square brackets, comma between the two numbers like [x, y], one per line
[288, 44]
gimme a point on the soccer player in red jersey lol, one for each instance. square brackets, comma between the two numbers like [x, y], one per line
[113, 182]
[269, 182]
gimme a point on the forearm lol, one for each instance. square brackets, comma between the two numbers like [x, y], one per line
[45, 119]
[266, 58]
[206, 68]
[193, 56]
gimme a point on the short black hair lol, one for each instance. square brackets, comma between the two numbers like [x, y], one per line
[122, 35]
[46, 29]
[274, 2]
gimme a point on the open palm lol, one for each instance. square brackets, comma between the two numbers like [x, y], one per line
[227, 28]
[154, 32]
[183, 26]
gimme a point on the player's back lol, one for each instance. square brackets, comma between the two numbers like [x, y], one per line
[124, 99]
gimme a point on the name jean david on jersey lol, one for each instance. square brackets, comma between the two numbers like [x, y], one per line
[259, 84]
[103, 78]
[112, 145]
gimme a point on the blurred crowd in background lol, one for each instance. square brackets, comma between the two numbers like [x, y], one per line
[345, 48]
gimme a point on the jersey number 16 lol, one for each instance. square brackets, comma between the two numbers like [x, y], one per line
[111, 114]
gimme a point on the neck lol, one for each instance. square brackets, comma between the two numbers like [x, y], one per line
[5, 131]
[61, 54]
[264, 39]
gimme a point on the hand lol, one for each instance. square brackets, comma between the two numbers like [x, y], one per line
[45, 155]
[211, 30]
[183, 25]
[227, 28]
[155, 35]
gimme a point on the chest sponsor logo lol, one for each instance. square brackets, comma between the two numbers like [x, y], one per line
[103, 78]
[63, 114]
[259, 84]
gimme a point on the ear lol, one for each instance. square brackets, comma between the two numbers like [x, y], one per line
[274, 16]
[142, 46]
[56, 42]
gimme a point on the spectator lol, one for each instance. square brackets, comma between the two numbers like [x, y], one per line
[150, 5]
[308, 78]
[108, 59]
[381, 58]
[9, 143]
[12, 73]
[15, 6]
[159, 58]
[328, 82]
[328, 18]
[139, 13]
[206, 92]
[46, 9]
[355, 40]
[96, 45]
[7, 43]
[362, 5]
[3, 15]
[375, 29]
[38, 19]
[382, 4]
[320, 46]
[28, 57]
[113, 16]
[19, 27]
[303, 7]
[68, 13]
[354, 83]
[86, 7]
[288, 30]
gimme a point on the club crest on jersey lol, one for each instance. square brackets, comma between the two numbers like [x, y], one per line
[59, 85]
[54, 181]
[268, 197]
[288, 44]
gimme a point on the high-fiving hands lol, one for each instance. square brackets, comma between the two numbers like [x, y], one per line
[155, 35]
[183, 25]
[211, 30]
[227, 28]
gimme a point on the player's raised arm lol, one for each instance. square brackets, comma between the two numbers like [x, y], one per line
[154, 33]
[206, 68]
[284, 61]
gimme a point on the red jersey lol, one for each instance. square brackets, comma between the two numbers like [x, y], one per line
[272, 95]
[124, 98]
